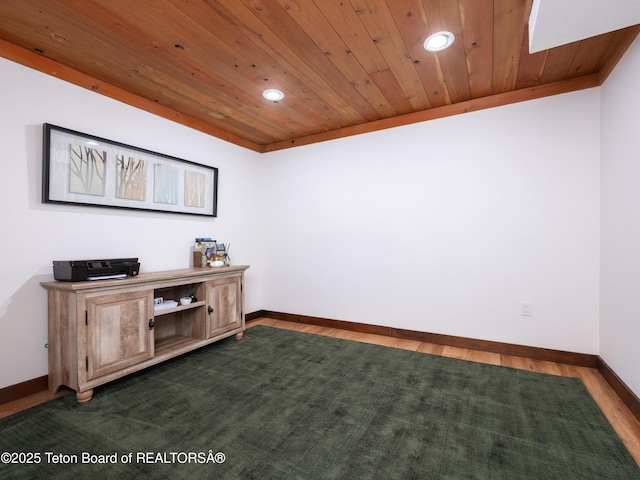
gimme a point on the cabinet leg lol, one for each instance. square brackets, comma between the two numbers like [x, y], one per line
[84, 397]
[239, 335]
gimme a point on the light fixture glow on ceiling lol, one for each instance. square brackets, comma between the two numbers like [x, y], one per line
[439, 41]
[273, 95]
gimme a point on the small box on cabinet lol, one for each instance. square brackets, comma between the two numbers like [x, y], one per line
[199, 260]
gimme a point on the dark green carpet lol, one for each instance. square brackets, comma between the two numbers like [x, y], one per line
[288, 405]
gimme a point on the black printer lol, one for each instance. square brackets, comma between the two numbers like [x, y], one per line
[81, 270]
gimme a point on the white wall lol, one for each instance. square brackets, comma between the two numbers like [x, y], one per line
[620, 277]
[446, 226]
[442, 227]
[33, 234]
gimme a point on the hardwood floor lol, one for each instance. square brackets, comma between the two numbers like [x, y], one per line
[618, 414]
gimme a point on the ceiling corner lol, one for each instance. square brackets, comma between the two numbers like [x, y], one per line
[558, 22]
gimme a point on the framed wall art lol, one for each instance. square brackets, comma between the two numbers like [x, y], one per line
[82, 169]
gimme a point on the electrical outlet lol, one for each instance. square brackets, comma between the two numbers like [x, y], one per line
[525, 309]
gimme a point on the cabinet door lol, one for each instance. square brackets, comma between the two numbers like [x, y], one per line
[118, 333]
[224, 305]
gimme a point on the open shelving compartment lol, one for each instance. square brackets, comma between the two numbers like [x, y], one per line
[178, 326]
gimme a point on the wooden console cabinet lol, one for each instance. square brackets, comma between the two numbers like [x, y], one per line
[105, 329]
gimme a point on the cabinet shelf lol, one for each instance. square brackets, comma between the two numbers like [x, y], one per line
[179, 308]
[174, 342]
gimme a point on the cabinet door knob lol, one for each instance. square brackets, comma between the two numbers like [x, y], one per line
[151, 324]
[210, 309]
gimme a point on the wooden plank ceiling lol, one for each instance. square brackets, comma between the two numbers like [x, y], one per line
[345, 66]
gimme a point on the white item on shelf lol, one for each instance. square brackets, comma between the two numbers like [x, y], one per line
[167, 304]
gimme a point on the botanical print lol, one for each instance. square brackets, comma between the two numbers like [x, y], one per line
[194, 189]
[165, 187]
[87, 171]
[131, 178]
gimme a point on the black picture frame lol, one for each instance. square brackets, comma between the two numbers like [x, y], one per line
[86, 170]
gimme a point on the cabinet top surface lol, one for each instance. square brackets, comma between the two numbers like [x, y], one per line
[187, 274]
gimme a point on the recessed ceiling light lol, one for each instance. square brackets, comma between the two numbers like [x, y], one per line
[273, 95]
[439, 41]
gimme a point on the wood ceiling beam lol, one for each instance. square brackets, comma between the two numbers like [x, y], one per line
[530, 93]
[45, 65]
[623, 41]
